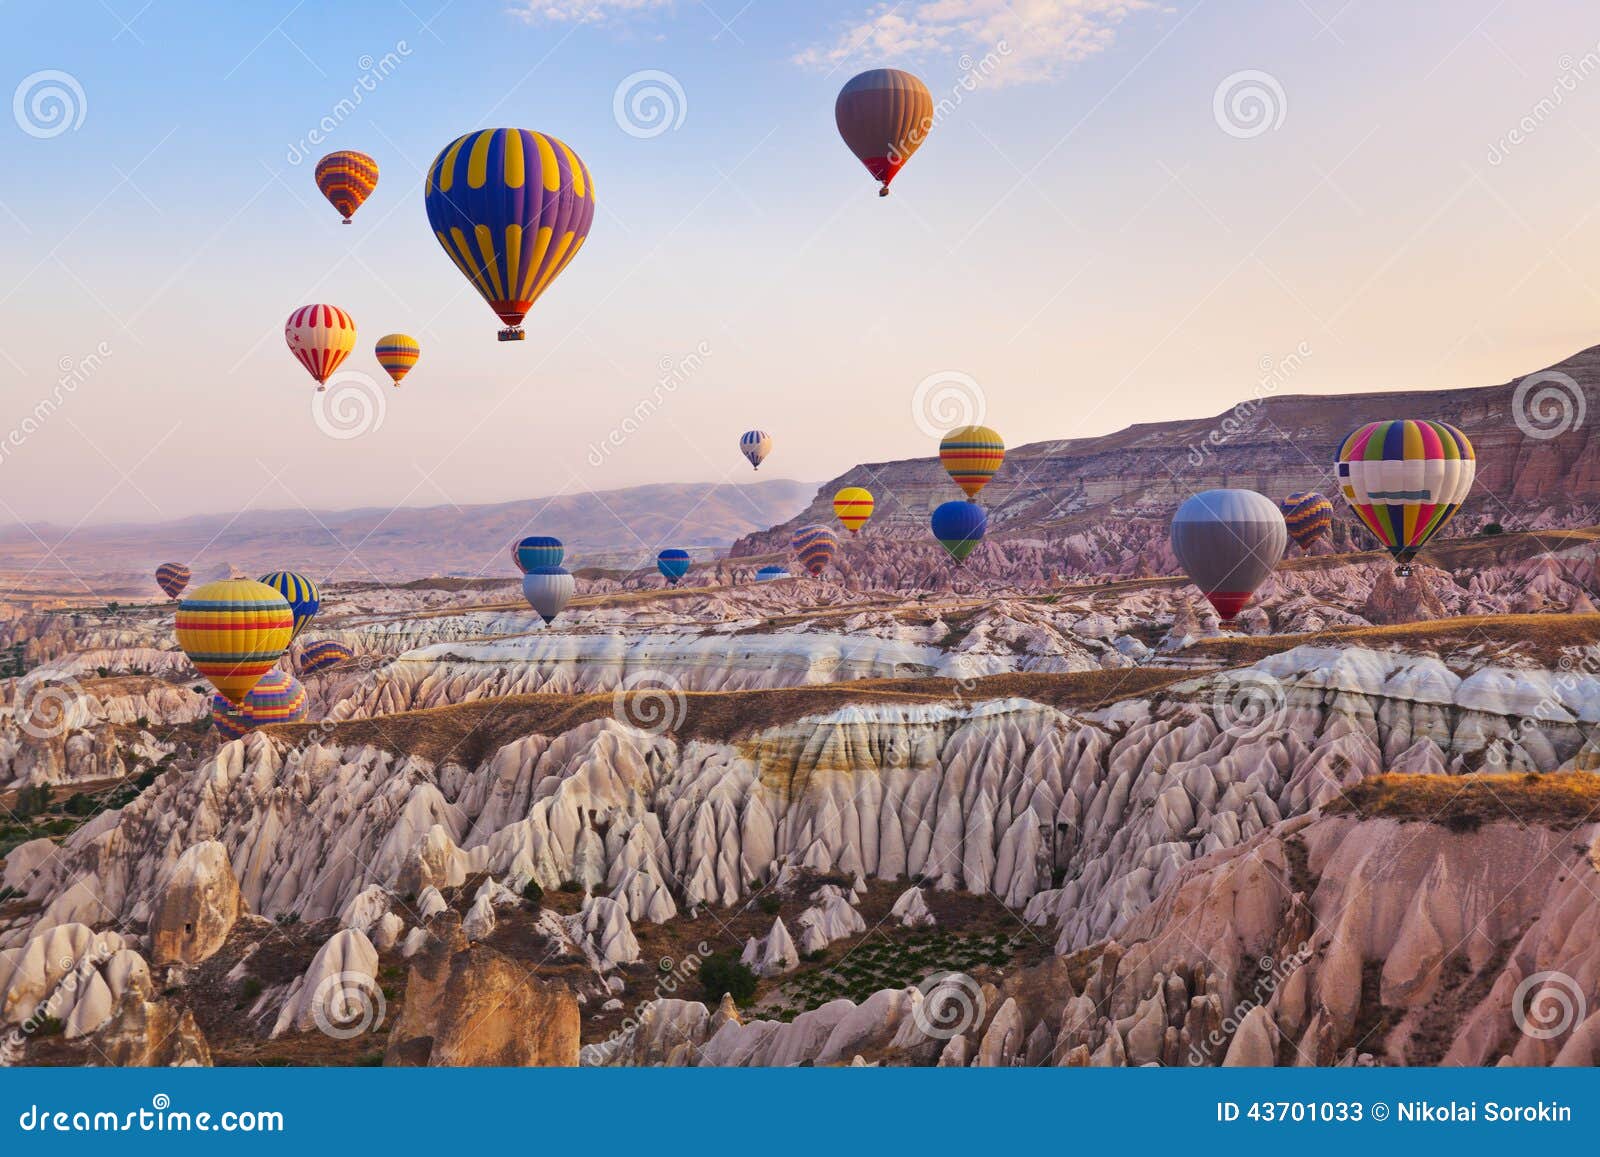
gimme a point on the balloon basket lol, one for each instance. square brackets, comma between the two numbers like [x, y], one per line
[1403, 570]
[512, 333]
[883, 192]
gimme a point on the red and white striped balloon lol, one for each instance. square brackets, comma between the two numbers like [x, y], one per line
[321, 336]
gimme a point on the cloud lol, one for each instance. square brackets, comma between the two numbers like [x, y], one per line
[1041, 38]
[584, 11]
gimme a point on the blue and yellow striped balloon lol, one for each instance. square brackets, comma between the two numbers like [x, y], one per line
[299, 592]
[512, 208]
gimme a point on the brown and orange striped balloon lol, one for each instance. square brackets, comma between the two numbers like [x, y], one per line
[884, 115]
[347, 178]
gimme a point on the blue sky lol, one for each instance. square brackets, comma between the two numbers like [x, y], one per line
[1083, 236]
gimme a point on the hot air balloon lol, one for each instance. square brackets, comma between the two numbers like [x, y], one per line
[1228, 541]
[1405, 479]
[548, 590]
[538, 552]
[299, 592]
[172, 577]
[397, 353]
[321, 336]
[322, 654]
[233, 631]
[347, 178]
[852, 506]
[959, 527]
[673, 564]
[755, 445]
[511, 207]
[816, 546]
[1308, 515]
[767, 573]
[971, 455]
[277, 698]
[884, 115]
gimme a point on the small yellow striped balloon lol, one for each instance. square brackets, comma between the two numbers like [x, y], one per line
[397, 353]
[971, 455]
[233, 632]
[852, 506]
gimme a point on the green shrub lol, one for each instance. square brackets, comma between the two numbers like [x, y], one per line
[571, 887]
[770, 904]
[1490, 528]
[723, 973]
[533, 894]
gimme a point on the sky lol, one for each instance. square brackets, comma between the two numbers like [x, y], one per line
[1126, 212]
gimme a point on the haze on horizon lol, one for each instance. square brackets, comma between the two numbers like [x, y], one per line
[1093, 234]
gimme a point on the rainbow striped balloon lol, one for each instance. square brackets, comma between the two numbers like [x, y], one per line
[816, 546]
[971, 455]
[397, 353]
[321, 336]
[1309, 517]
[277, 698]
[511, 207]
[347, 178]
[852, 506]
[172, 577]
[322, 654]
[299, 592]
[233, 631]
[1405, 480]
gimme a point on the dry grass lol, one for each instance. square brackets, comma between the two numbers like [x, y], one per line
[1465, 802]
[1540, 638]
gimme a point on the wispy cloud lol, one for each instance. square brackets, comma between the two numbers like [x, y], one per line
[584, 11]
[1042, 37]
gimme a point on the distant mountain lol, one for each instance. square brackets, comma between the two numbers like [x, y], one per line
[615, 528]
[1103, 503]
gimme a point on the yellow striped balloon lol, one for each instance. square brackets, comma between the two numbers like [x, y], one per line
[852, 506]
[397, 353]
[971, 455]
[346, 178]
[233, 632]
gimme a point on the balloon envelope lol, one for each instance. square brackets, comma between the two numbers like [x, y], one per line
[322, 654]
[277, 698]
[346, 179]
[511, 207]
[538, 552]
[971, 455]
[321, 336]
[302, 595]
[1405, 479]
[673, 564]
[767, 573]
[959, 527]
[816, 546]
[852, 506]
[172, 577]
[1228, 541]
[884, 115]
[755, 445]
[397, 353]
[1309, 517]
[233, 631]
[548, 590]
